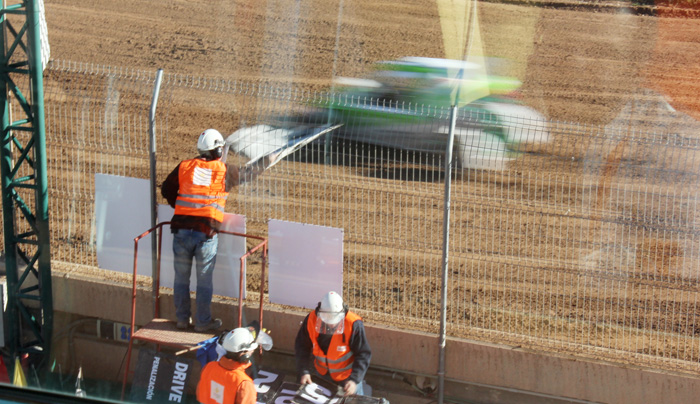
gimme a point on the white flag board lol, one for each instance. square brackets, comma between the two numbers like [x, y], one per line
[306, 262]
[122, 213]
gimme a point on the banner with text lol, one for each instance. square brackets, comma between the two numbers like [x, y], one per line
[160, 378]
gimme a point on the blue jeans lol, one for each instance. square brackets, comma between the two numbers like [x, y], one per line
[189, 244]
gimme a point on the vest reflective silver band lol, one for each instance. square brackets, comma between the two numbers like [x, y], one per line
[325, 366]
[340, 370]
[198, 196]
[339, 360]
[194, 205]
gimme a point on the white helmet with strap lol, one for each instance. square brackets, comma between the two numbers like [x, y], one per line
[331, 309]
[209, 140]
[239, 340]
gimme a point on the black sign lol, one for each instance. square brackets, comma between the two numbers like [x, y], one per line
[292, 393]
[267, 383]
[160, 378]
[321, 392]
[286, 393]
[362, 400]
[324, 392]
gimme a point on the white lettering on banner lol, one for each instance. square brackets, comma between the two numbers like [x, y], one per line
[267, 377]
[152, 381]
[285, 399]
[316, 394]
[178, 386]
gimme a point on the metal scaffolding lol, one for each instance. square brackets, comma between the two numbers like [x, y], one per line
[24, 182]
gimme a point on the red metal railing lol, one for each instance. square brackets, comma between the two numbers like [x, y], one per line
[262, 245]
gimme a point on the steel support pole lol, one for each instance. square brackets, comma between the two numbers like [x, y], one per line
[154, 202]
[445, 255]
[36, 73]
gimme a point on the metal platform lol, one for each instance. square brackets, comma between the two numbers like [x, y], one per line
[165, 332]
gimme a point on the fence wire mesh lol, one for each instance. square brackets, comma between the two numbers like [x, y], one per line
[562, 236]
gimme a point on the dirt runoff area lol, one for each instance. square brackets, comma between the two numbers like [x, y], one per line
[580, 62]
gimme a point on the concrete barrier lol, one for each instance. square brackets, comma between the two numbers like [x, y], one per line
[472, 366]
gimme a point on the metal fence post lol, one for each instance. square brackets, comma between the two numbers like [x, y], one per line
[445, 255]
[154, 202]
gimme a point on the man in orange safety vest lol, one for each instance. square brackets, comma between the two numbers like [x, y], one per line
[197, 188]
[331, 344]
[225, 381]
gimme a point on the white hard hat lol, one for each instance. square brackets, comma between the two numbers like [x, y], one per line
[210, 139]
[239, 340]
[331, 310]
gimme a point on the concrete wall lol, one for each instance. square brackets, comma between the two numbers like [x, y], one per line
[470, 364]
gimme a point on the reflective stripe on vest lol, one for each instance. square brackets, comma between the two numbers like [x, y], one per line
[202, 189]
[339, 359]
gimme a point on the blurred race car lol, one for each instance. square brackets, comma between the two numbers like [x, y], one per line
[406, 103]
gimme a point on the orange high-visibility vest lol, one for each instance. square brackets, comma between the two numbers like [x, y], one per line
[338, 362]
[202, 189]
[221, 384]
